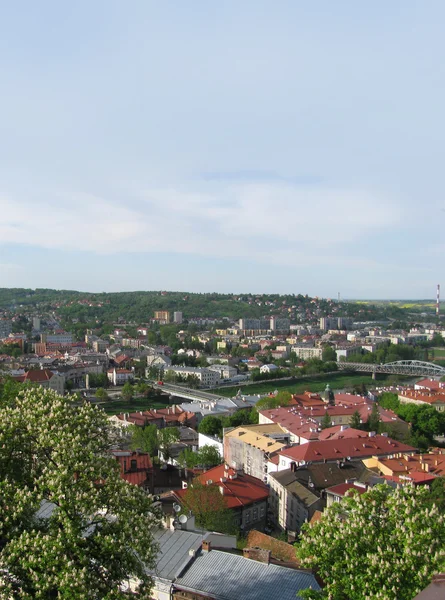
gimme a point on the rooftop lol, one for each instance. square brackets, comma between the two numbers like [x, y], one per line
[225, 576]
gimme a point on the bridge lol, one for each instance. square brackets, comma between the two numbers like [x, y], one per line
[188, 393]
[400, 367]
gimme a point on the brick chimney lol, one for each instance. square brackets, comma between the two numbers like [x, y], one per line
[258, 554]
[206, 546]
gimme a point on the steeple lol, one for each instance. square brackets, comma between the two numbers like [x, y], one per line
[329, 396]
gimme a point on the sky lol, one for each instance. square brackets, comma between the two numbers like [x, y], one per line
[254, 146]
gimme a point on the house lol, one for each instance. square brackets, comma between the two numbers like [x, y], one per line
[424, 397]
[297, 494]
[409, 468]
[430, 384]
[161, 361]
[120, 376]
[136, 468]
[336, 493]
[171, 416]
[338, 451]
[244, 495]
[207, 378]
[45, 378]
[222, 576]
[291, 503]
[269, 368]
[249, 447]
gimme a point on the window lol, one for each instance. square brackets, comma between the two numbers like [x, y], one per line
[255, 514]
[247, 516]
[262, 511]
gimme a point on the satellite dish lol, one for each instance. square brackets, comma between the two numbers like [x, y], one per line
[183, 519]
[176, 507]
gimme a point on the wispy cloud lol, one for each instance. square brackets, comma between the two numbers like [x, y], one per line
[269, 222]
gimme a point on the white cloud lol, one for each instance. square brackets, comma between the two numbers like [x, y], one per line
[268, 222]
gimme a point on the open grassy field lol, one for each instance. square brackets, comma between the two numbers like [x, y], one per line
[338, 381]
[437, 352]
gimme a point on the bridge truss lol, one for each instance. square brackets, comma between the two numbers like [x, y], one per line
[400, 367]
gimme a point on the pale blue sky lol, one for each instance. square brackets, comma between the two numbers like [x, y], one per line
[256, 146]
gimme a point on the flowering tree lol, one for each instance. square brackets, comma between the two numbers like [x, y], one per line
[70, 527]
[383, 544]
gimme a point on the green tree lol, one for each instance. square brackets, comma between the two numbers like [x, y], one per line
[328, 354]
[127, 391]
[355, 421]
[373, 545]
[145, 439]
[211, 426]
[209, 456]
[209, 507]
[166, 438]
[96, 532]
[326, 421]
[101, 394]
[373, 422]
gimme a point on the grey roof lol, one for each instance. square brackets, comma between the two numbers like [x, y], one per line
[226, 576]
[174, 552]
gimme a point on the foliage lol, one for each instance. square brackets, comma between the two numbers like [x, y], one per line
[209, 508]
[127, 391]
[326, 421]
[97, 380]
[373, 421]
[206, 457]
[145, 439]
[166, 438]
[355, 422]
[211, 425]
[98, 533]
[426, 422]
[374, 545]
[13, 350]
[328, 354]
[282, 398]
[101, 394]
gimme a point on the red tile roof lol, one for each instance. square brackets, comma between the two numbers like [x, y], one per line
[339, 432]
[35, 376]
[355, 448]
[238, 489]
[342, 488]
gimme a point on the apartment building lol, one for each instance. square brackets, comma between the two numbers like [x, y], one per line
[207, 377]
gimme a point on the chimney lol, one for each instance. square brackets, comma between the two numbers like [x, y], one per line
[257, 554]
[206, 545]
[293, 466]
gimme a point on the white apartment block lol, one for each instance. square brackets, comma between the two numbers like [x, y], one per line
[5, 328]
[306, 352]
[225, 372]
[207, 377]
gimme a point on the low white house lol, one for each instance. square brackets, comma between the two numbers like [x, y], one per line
[120, 376]
[268, 368]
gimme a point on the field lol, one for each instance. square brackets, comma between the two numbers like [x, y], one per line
[338, 381]
[437, 352]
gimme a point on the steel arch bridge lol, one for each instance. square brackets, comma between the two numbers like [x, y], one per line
[400, 367]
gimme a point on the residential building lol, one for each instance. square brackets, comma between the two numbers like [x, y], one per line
[424, 397]
[5, 328]
[177, 317]
[225, 372]
[36, 323]
[136, 468]
[244, 495]
[100, 345]
[249, 447]
[291, 503]
[405, 468]
[45, 378]
[221, 575]
[162, 316]
[170, 416]
[338, 451]
[161, 361]
[57, 338]
[206, 377]
[120, 376]
[307, 352]
[336, 493]
[327, 323]
[430, 384]
[269, 368]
